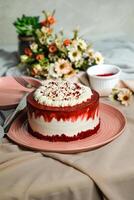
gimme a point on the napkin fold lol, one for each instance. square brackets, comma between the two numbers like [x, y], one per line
[128, 84]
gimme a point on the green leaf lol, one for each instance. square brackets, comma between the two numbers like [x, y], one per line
[27, 25]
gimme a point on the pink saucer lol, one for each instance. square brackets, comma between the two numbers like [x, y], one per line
[109, 115]
[11, 92]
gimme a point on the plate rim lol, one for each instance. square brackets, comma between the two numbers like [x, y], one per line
[70, 151]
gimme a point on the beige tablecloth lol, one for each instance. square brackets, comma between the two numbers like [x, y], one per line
[103, 173]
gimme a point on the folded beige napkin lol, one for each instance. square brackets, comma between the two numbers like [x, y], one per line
[128, 84]
[105, 173]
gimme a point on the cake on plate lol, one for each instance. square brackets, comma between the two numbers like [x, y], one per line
[63, 111]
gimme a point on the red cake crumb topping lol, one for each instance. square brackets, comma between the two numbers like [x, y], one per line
[61, 93]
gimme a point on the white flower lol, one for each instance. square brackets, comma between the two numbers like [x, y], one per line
[73, 45]
[45, 30]
[98, 58]
[38, 67]
[75, 55]
[24, 58]
[58, 43]
[124, 96]
[90, 53]
[63, 67]
[34, 47]
[42, 40]
[51, 71]
[114, 94]
[50, 40]
[79, 63]
[70, 47]
[82, 44]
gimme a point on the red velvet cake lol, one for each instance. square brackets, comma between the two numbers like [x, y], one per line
[63, 111]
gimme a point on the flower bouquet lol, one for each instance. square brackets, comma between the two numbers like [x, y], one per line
[52, 55]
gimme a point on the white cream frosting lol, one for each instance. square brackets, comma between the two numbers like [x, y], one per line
[68, 128]
[61, 93]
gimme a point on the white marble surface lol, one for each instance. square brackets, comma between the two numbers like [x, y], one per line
[108, 24]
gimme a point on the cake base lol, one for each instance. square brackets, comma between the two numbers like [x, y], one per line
[63, 137]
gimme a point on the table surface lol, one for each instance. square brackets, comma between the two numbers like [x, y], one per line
[103, 173]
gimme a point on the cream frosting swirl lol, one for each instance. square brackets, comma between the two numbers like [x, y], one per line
[61, 93]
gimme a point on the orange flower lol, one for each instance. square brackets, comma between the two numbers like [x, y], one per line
[39, 57]
[66, 42]
[28, 52]
[51, 20]
[52, 48]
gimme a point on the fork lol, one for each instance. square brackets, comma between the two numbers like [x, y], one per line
[22, 81]
[20, 107]
[4, 129]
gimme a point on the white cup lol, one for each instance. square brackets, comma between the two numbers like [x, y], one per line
[103, 78]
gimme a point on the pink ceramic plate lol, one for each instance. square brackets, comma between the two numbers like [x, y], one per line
[107, 132]
[11, 92]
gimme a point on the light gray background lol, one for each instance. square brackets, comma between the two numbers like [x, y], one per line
[97, 19]
[107, 24]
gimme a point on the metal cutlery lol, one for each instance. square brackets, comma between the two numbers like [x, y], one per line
[8, 121]
[21, 106]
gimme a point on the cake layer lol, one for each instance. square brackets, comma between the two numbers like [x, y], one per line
[63, 137]
[69, 127]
